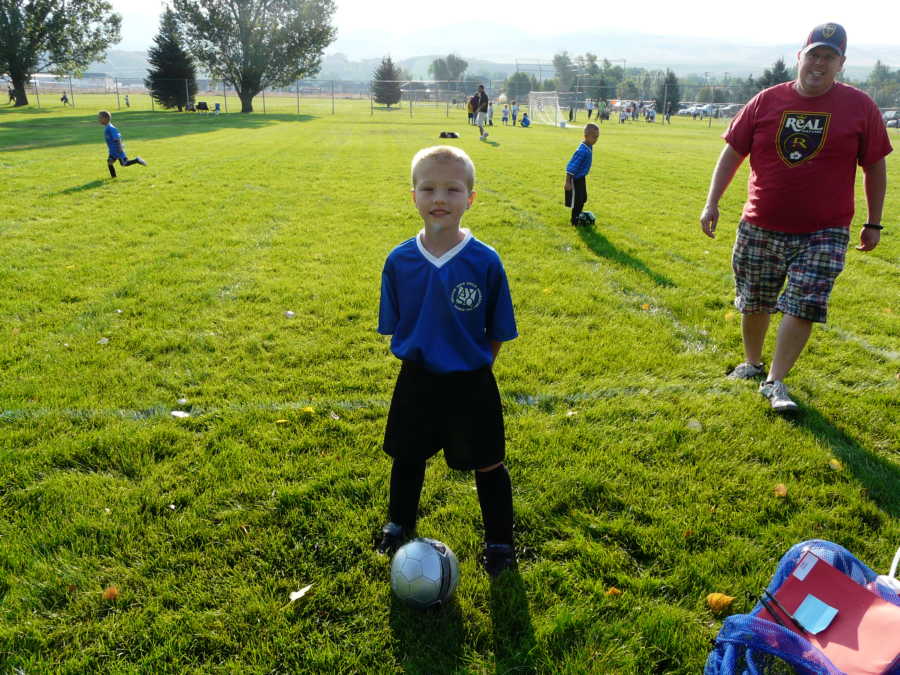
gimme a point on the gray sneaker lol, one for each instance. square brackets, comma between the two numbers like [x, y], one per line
[747, 371]
[778, 396]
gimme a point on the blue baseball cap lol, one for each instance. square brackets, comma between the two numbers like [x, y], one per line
[827, 35]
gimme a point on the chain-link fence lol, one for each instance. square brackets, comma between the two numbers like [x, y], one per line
[415, 99]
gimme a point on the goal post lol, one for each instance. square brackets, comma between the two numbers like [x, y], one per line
[543, 106]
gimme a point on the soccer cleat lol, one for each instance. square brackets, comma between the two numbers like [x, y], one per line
[497, 558]
[778, 396]
[747, 371]
[392, 538]
[140, 161]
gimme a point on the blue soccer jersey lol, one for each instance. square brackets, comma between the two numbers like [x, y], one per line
[580, 164]
[114, 141]
[444, 312]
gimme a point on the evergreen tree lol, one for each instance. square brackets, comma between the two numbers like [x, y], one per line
[172, 79]
[776, 75]
[668, 93]
[747, 89]
[385, 84]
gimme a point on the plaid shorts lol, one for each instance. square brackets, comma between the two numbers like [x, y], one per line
[762, 259]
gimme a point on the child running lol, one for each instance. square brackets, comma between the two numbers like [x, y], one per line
[114, 144]
[445, 300]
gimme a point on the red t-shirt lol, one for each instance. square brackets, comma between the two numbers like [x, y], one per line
[803, 155]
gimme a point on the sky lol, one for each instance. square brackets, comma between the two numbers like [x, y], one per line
[377, 28]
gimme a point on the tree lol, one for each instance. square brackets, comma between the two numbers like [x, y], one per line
[172, 80]
[385, 83]
[884, 85]
[448, 69]
[518, 85]
[776, 75]
[747, 89]
[255, 44]
[668, 93]
[61, 36]
[565, 71]
[628, 90]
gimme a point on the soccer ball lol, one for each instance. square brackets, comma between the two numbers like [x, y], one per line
[586, 218]
[424, 572]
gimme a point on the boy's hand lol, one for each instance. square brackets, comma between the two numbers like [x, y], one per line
[568, 185]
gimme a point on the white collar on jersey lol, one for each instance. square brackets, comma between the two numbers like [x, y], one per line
[449, 255]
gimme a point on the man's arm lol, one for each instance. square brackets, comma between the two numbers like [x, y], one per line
[726, 167]
[876, 188]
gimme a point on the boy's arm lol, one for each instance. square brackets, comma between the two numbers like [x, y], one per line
[495, 349]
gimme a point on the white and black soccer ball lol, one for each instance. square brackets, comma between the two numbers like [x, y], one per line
[586, 218]
[424, 572]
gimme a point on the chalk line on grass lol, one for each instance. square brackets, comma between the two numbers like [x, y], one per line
[846, 336]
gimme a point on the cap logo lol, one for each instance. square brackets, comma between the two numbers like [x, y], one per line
[801, 135]
[828, 30]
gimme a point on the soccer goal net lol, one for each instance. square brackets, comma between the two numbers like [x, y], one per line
[543, 106]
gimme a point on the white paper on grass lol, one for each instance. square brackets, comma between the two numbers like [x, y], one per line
[180, 414]
[296, 595]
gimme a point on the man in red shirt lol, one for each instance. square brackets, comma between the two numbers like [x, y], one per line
[805, 139]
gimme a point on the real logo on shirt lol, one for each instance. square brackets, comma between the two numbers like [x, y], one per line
[466, 296]
[801, 135]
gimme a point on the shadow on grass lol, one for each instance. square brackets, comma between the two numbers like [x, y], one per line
[603, 248]
[428, 641]
[514, 640]
[135, 125]
[878, 475]
[79, 188]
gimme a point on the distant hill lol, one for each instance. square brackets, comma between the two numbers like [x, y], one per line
[685, 56]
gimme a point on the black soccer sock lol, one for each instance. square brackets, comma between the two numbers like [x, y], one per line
[112, 170]
[406, 487]
[495, 497]
[132, 161]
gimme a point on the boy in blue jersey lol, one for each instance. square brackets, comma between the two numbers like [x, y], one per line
[114, 144]
[445, 301]
[577, 170]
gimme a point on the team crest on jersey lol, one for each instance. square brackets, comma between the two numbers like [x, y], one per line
[466, 296]
[801, 135]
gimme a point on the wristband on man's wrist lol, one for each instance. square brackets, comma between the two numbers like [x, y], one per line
[873, 226]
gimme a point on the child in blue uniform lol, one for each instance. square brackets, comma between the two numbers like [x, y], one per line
[577, 170]
[445, 301]
[114, 144]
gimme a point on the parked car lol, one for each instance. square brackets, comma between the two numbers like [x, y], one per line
[891, 118]
[731, 110]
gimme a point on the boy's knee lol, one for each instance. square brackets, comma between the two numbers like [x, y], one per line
[490, 468]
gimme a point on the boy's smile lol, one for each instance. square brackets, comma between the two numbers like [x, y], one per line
[442, 193]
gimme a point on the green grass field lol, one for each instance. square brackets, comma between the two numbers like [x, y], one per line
[635, 464]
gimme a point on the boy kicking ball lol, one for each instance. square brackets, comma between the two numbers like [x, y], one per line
[445, 300]
[114, 143]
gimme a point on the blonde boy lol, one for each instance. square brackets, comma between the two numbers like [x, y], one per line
[445, 301]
